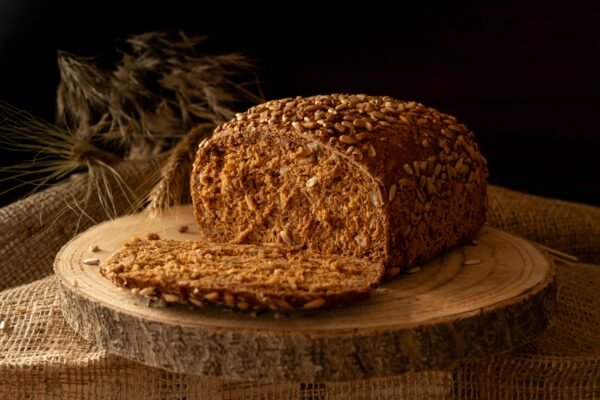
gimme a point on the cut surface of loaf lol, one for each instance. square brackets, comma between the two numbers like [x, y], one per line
[355, 175]
[246, 277]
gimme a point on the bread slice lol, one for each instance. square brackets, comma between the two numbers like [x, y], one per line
[371, 177]
[246, 277]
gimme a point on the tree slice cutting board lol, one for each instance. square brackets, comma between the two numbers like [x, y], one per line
[453, 309]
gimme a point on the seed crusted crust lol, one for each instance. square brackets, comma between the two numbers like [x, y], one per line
[245, 277]
[419, 179]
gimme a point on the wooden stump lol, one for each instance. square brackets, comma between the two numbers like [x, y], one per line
[471, 302]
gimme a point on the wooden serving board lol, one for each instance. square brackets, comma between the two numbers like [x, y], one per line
[446, 312]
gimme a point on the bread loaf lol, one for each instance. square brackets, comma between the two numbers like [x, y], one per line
[246, 277]
[371, 177]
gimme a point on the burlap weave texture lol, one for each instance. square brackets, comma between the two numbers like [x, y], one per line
[42, 358]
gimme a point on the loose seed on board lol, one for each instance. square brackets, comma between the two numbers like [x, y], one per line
[91, 261]
[153, 236]
[413, 270]
[94, 248]
[472, 262]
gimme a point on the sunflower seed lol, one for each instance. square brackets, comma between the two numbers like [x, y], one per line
[309, 125]
[372, 152]
[339, 127]
[212, 296]
[317, 303]
[392, 193]
[472, 262]
[147, 291]
[361, 240]
[376, 115]
[283, 304]
[196, 302]
[91, 261]
[361, 135]
[250, 202]
[285, 237]
[391, 272]
[375, 199]
[347, 139]
[312, 182]
[170, 298]
[229, 299]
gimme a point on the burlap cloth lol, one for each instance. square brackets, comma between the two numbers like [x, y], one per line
[42, 358]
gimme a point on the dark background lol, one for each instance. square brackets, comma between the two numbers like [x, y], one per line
[524, 76]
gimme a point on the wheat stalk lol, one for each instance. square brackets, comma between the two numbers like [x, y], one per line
[173, 187]
[146, 104]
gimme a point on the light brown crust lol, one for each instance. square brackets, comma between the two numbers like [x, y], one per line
[421, 168]
[246, 277]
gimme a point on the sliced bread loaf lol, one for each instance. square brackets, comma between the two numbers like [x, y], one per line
[372, 177]
[246, 277]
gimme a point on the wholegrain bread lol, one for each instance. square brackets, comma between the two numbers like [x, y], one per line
[246, 277]
[370, 177]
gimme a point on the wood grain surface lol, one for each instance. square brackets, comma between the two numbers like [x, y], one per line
[471, 302]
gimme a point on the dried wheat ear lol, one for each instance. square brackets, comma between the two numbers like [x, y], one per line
[245, 277]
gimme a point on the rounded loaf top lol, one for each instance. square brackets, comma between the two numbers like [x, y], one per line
[368, 128]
